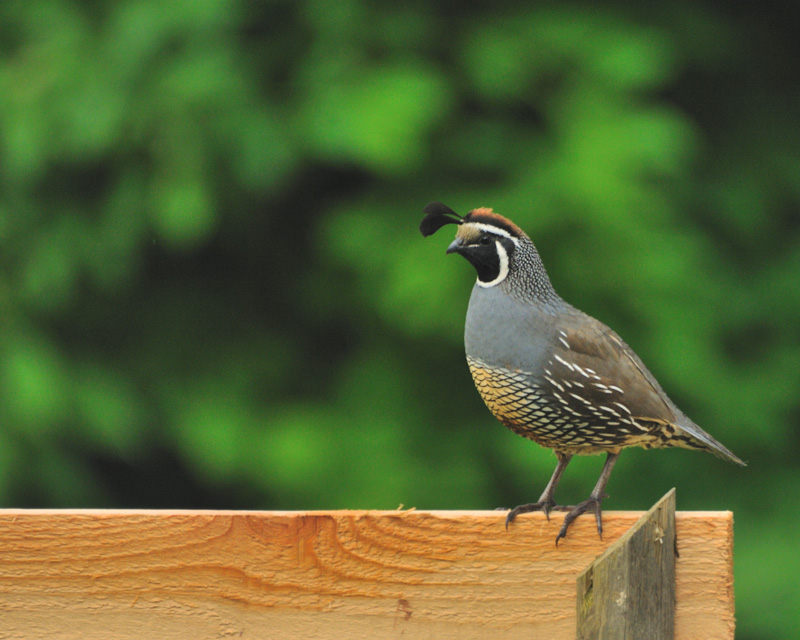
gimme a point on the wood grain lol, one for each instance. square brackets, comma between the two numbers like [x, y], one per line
[338, 574]
[628, 592]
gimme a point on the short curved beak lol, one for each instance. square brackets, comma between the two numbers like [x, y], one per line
[455, 246]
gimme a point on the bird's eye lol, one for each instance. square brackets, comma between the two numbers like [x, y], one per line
[485, 240]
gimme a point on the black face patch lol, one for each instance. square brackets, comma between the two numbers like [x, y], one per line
[486, 261]
[490, 259]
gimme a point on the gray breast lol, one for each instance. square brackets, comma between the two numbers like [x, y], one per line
[506, 332]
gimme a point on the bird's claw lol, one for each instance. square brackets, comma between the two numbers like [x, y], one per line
[591, 503]
[545, 506]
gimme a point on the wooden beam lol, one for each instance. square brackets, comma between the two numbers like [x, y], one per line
[338, 574]
[629, 591]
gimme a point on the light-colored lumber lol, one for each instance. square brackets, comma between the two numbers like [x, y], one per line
[628, 592]
[340, 574]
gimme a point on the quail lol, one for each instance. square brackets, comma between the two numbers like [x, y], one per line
[550, 372]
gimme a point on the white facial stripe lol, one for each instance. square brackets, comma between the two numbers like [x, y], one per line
[501, 253]
[488, 228]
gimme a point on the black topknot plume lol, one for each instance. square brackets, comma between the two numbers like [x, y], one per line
[438, 216]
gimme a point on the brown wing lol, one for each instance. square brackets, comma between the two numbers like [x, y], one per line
[597, 372]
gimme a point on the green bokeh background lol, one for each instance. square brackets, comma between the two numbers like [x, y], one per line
[213, 292]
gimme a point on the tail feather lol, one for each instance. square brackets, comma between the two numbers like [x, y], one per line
[707, 443]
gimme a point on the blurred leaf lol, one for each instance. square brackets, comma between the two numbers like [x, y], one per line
[35, 385]
[378, 117]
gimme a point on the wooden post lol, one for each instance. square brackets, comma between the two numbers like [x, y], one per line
[629, 592]
[112, 575]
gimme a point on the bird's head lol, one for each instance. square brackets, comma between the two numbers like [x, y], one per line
[486, 239]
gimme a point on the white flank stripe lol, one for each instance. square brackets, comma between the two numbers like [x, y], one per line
[554, 383]
[577, 397]
[581, 371]
[623, 407]
[564, 362]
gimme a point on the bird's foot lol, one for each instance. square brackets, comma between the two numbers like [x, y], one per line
[592, 503]
[545, 506]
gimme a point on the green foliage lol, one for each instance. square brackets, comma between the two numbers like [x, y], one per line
[213, 291]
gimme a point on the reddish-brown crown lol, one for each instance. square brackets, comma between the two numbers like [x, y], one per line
[485, 215]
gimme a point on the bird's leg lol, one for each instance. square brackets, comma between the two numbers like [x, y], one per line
[546, 502]
[593, 501]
